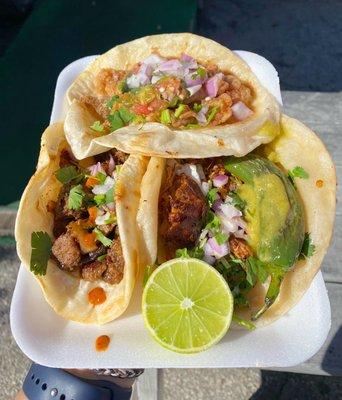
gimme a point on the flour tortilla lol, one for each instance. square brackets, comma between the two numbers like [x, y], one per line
[297, 146]
[68, 295]
[155, 139]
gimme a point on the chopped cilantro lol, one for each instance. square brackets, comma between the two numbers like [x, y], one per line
[102, 238]
[102, 258]
[196, 252]
[126, 115]
[213, 221]
[192, 126]
[212, 112]
[97, 126]
[180, 110]
[110, 195]
[111, 220]
[100, 199]
[308, 248]
[297, 172]
[173, 103]
[75, 198]
[101, 177]
[197, 107]
[165, 117]
[237, 201]
[67, 174]
[244, 323]
[221, 238]
[211, 196]
[200, 72]
[41, 245]
[111, 102]
[115, 121]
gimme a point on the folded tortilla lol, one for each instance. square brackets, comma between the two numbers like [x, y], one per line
[67, 294]
[156, 139]
[297, 145]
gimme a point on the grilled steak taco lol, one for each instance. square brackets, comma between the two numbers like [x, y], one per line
[76, 229]
[264, 221]
[172, 95]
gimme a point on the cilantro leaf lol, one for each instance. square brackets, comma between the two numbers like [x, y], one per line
[197, 107]
[213, 221]
[41, 245]
[256, 269]
[102, 258]
[115, 121]
[75, 198]
[110, 195]
[200, 72]
[221, 238]
[100, 199]
[126, 115]
[97, 126]
[67, 174]
[111, 102]
[308, 248]
[297, 172]
[102, 238]
[101, 177]
[122, 86]
[211, 196]
[182, 253]
[237, 201]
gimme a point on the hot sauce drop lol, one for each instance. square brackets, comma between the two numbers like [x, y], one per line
[102, 343]
[97, 296]
[319, 183]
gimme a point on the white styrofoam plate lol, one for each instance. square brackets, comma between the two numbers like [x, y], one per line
[51, 340]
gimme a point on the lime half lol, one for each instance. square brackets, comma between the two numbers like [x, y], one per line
[187, 305]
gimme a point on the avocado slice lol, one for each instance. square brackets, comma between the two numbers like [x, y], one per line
[274, 211]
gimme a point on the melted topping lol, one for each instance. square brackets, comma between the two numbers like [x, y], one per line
[102, 343]
[97, 296]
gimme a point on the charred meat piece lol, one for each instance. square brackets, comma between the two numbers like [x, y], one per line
[115, 263]
[94, 270]
[183, 209]
[239, 248]
[66, 159]
[67, 252]
[119, 156]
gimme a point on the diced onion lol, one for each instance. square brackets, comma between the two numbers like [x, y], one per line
[137, 80]
[96, 168]
[111, 164]
[103, 189]
[188, 61]
[212, 84]
[102, 218]
[212, 248]
[193, 89]
[241, 111]
[201, 115]
[220, 180]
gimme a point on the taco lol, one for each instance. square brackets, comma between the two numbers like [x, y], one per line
[172, 95]
[76, 229]
[264, 221]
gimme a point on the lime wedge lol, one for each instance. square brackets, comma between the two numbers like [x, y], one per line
[187, 305]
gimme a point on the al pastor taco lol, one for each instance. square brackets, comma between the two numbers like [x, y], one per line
[76, 229]
[171, 95]
[264, 221]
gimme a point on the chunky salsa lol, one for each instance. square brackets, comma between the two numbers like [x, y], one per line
[180, 93]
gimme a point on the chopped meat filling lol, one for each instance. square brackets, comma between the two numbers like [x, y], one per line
[67, 252]
[93, 271]
[239, 248]
[115, 263]
[183, 209]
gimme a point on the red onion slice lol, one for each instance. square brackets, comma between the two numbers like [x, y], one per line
[95, 169]
[212, 248]
[212, 84]
[193, 89]
[111, 164]
[241, 111]
[188, 61]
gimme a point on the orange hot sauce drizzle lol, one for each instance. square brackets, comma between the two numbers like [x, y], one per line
[102, 343]
[97, 296]
[319, 183]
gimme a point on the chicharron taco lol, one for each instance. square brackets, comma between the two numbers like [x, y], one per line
[172, 95]
[76, 229]
[264, 221]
